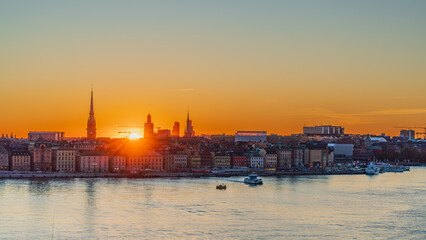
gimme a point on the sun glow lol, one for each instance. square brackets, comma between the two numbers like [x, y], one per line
[134, 136]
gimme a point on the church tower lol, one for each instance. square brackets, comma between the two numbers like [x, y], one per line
[189, 131]
[91, 123]
[148, 130]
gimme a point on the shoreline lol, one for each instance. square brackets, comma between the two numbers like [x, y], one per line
[162, 175]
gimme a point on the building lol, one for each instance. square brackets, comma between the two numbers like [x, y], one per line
[91, 123]
[176, 130]
[50, 136]
[408, 134]
[207, 158]
[180, 161]
[321, 158]
[148, 161]
[189, 131]
[64, 159]
[148, 130]
[20, 160]
[41, 152]
[4, 159]
[250, 136]
[117, 163]
[342, 152]
[271, 160]
[256, 161]
[93, 161]
[324, 130]
[163, 133]
[297, 157]
[194, 159]
[239, 161]
[284, 158]
[222, 161]
[168, 162]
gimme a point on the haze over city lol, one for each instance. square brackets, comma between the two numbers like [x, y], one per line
[240, 65]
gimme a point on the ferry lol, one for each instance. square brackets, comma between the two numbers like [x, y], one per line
[253, 179]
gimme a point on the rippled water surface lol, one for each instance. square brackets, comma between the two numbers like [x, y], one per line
[387, 206]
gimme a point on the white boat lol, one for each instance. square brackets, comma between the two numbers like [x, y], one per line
[253, 179]
[372, 169]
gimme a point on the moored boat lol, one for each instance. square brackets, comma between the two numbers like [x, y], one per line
[372, 169]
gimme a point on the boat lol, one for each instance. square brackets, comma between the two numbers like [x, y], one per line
[253, 179]
[372, 169]
[221, 187]
[393, 168]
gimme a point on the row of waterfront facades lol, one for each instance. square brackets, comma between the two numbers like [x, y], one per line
[72, 160]
[42, 155]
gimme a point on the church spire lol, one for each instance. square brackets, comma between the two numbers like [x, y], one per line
[91, 123]
[92, 113]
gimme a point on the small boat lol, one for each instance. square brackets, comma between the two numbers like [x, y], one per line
[221, 187]
[253, 179]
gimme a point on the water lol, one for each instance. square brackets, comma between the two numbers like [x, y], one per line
[387, 206]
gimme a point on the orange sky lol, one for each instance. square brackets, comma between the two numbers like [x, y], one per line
[237, 66]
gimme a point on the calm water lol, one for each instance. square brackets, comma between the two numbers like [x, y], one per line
[387, 206]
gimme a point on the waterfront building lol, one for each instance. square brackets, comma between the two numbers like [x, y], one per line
[270, 160]
[117, 163]
[194, 159]
[284, 158]
[41, 152]
[222, 160]
[256, 161]
[315, 157]
[148, 161]
[342, 152]
[50, 136]
[239, 161]
[91, 123]
[297, 157]
[20, 160]
[321, 158]
[4, 159]
[64, 159]
[168, 162]
[207, 158]
[148, 130]
[306, 157]
[250, 136]
[93, 161]
[189, 131]
[324, 130]
[180, 161]
[176, 130]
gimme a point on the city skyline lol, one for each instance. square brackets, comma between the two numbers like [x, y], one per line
[237, 65]
[135, 131]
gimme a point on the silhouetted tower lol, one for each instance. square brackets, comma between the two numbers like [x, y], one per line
[176, 129]
[148, 130]
[91, 123]
[189, 131]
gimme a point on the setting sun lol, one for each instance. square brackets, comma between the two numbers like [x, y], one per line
[134, 136]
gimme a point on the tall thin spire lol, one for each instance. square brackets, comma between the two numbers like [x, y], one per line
[91, 123]
[187, 118]
[92, 113]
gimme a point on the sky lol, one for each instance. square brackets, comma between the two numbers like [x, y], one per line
[237, 65]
